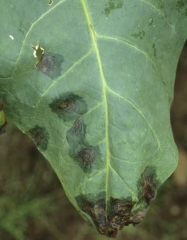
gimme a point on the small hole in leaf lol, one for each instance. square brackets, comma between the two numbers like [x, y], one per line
[50, 2]
[38, 53]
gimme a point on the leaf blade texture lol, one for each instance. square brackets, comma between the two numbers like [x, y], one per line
[97, 102]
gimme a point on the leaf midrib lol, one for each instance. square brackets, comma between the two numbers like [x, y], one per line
[104, 87]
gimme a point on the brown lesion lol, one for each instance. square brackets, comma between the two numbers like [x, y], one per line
[137, 217]
[111, 216]
[48, 63]
[77, 127]
[97, 211]
[40, 136]
[69, 105]
[86, 157]
[149, 189]
[109, 222]
[120, 213]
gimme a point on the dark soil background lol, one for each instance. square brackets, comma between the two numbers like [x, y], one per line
[33, 205]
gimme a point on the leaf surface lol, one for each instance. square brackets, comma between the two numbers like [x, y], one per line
[97, 101]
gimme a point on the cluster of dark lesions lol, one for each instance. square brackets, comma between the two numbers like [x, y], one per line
[110, 217]
[97, 212]
[120, 213]
[40, 137]
[69, 107]
[3, 121]
[84, 154]
[109, 222]
[149, 189]
[147, 186]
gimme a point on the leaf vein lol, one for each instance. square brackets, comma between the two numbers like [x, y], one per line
[95, 46]
[141, 114]
[156, 10]
[122, 179]
[123, 41]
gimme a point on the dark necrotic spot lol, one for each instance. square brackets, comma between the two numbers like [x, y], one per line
[137, 217]
[119, 213]
[69, 107]
[86, 157]
[75, 135]
[40, 137]
[148, 184]
[113, 5]
[149, 189]
[121, 207]
[97, 212]
[107, 220]
[51, 65]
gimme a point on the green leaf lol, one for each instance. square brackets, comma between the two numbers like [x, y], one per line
[97, 104]
[2, 120]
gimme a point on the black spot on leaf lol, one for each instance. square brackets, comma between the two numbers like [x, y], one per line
[51, 65]
[113, 5]
[75, 135]
[86, 157]
[96, 210]
[77, 127]
[148, 184]
[137, 217]
[69, 107]
[149, 189]
[108, 222]
[139, 35]
[40, 137]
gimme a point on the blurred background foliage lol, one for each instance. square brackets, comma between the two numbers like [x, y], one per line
[33, 205]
